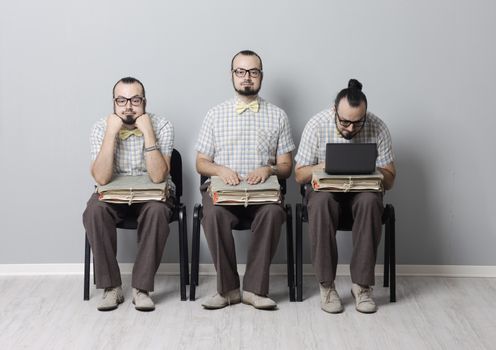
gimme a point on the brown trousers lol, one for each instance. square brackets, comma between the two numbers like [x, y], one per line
[100, 220]
[324, 211]
[218, 222]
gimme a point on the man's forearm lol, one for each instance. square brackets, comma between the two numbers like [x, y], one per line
[283, 170]
[156, 166]
[154, 160]
[103, 166]
[303, 174]
[206, 167]
[388, 180]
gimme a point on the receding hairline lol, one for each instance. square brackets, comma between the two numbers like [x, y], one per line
[247, 53]
[129, 81]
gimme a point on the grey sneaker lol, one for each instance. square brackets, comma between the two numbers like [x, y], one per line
[111, 298]
[218, 301]
[258, 301]
[329, 300]
[363, 299]
[142, 300]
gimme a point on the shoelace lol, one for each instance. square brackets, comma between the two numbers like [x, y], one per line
[328, 294]
[109, 290]
[365, 293]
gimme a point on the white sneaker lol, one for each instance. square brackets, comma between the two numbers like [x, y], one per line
[142, 300]
[111, 298]
[218, 301]
[329, 300]
[363, 299]
[258, 301]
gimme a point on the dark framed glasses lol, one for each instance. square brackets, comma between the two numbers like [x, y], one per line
[241, 72]
[135, 101]
[345, 123]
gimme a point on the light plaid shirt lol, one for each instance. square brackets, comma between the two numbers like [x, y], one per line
[321, 129]
[246, 141]
[129, 158]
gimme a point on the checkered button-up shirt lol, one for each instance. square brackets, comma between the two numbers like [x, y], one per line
[129, 158]
[321, 129]
[246, 141]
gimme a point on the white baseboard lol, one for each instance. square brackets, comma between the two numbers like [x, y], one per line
[276, 269]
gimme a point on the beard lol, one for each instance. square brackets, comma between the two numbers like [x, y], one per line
[129, 120]
[247, 90]
[347, 135]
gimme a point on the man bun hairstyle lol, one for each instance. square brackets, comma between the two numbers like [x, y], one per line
[353, 94]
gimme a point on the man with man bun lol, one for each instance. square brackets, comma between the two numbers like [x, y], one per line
[347, 121]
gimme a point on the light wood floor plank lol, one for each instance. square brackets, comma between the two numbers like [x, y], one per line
[48, 312]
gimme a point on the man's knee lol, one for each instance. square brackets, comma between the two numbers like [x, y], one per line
[96, 210]
[156, 210]
[272, 211]
[369, 201]
[320, 201]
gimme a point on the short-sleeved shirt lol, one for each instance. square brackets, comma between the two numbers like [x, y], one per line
[129, 157]
[321, 129]
[246, 141]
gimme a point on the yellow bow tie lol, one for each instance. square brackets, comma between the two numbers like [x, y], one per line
[125, 133]
[241, 106]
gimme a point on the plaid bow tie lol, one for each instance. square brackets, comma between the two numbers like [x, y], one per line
[241, 106]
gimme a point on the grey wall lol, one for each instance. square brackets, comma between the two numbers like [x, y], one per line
[428, 69]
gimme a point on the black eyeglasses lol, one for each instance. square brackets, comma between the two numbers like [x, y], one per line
[135, 101]
[241, 72]
[356, 124]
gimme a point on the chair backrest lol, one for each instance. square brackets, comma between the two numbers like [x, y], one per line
[176, 173]
[282, 182]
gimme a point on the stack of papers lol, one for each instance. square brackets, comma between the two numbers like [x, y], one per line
[133, 189]
[244, 193]
[322, 181]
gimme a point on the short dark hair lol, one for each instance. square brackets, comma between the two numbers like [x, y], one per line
[129, 80]
[353, 93]
[246, 53]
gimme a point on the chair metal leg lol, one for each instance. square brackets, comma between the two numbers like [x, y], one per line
[87, 253]
[195, 251]
[185, 247]
[387, 250]
[299, 252]
[392, 287]
[182, 263]
[290, 252]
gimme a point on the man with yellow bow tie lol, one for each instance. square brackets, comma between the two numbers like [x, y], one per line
[243, 139]
[129, 142]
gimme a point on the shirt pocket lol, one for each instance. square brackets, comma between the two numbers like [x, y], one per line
[267, 140]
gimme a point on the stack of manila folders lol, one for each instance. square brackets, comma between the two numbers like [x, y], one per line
[244, 193]
[133, 189]
[322, 181]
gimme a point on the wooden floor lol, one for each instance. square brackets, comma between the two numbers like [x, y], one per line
[48, 312]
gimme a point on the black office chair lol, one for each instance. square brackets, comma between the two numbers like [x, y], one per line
[345, 224]
[178, 214]
[243, 225]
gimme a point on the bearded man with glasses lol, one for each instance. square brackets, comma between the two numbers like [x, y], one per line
[129, 142]
[348, 121]
[243, 139]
